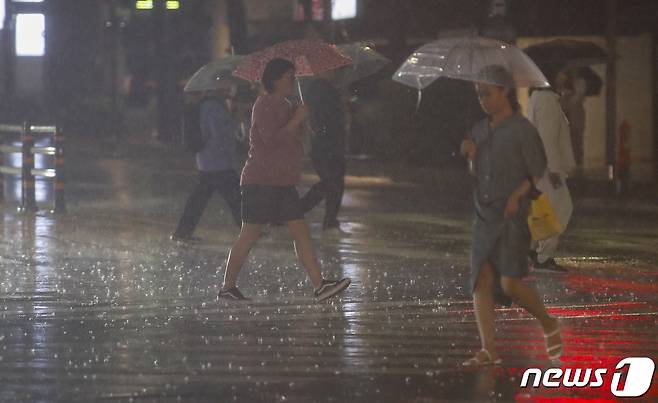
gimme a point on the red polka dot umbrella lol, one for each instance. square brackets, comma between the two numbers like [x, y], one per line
[310, 56]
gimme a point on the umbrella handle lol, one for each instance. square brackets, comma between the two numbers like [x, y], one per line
[299, 88]
[420, 94]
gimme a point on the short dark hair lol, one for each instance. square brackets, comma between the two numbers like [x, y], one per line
[513, 99]
[501, 77]
[274, 70]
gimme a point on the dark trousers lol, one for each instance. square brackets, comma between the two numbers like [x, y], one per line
[226, 183]
[331, 187]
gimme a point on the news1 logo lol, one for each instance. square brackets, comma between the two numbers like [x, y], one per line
[638, 377]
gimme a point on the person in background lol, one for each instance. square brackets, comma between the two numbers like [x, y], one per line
[327, 148]
[545, 113]
[507, 154]
[270, 174]
[215, 161]
[573, 88]
[623, 160]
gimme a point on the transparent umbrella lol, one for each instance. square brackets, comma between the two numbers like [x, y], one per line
[468, 59]
[206, 77]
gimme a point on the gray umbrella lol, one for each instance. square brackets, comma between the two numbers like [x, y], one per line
[206, 77]
[365, 62]
[567, 52]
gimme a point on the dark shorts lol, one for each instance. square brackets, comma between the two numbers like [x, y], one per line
[270, 204]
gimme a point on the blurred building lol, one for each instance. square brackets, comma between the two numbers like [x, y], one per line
[81, 58]
[23, 42]
[48, 52]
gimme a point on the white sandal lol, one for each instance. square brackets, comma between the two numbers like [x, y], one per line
[550, 349]
[475, 361]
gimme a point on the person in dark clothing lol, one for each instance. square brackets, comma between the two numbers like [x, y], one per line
[215, 161]
[327, 149]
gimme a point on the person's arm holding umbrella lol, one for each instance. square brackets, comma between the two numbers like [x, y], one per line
[269, 177]
[469, 150]
[279, 125]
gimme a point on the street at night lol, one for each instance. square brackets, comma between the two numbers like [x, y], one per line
[99, 305]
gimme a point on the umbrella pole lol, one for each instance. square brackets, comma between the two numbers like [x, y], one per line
[420, 94]
[299, 88]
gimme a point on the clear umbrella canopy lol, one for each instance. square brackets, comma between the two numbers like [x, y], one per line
[469, 59]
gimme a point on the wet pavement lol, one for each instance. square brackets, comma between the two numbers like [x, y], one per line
[97, 304]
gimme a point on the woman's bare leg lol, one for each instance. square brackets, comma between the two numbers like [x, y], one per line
[483, 303]
[249, 234]
[528, 298]
[305, 250]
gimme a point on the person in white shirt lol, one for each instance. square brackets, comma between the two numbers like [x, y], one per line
[572, 99]
[545, 112]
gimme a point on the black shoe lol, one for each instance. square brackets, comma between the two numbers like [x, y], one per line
[183, 238]
[333, 229]
[330, 288]
[232, 294]
[549, 266]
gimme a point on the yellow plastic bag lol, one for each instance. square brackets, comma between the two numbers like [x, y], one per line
[542, 220]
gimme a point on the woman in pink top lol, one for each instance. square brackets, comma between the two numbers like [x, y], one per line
[270, 174]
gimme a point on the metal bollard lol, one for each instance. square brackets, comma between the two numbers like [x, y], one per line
[60, 203]
[28, 193]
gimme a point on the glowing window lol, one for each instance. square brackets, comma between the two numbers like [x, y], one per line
[144, 5]
[2, 14]
[148, 4]
[30, 35]
[343, 9]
